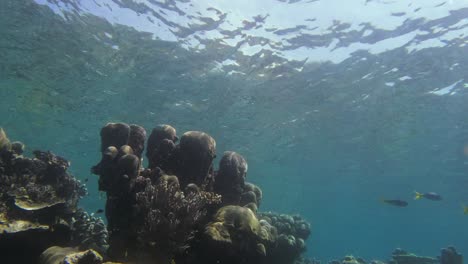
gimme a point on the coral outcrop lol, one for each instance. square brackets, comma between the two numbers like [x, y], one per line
[450, 255]
[89, 232]
[237, 236]
[68, 255]
[400, 256]
[179, 207]
[38, 199]
[292, 232]
[153, 215]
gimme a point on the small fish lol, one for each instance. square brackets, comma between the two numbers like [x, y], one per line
[86, 180]
[399, 203]
[430, 195]
[465, 209]
[99, 211]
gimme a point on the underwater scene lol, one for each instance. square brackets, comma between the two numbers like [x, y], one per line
[233, 132]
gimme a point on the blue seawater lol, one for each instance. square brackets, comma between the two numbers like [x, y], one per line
[334, 104]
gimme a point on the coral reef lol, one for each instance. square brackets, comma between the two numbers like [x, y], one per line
[179, 207]
[195, 154]
[38, 199]
[152, 215]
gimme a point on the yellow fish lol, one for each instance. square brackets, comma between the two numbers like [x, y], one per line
[465, 209]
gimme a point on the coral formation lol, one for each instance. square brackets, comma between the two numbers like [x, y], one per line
[37, 202]
[149, 214]
[230, 178]
[400, 256]
[170, 215]
[89, 232]
[195, 154]
[292, 233]
[180, 207]
[160, 147]
[238, 236]
[68, 255]
[450, 255]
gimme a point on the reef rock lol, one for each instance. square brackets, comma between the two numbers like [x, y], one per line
[450, 255]
[352, 260]
[400, 256]
[68, 255]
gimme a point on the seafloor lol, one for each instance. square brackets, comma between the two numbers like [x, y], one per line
[177, 209]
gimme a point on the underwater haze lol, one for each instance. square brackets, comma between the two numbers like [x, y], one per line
[335, 104]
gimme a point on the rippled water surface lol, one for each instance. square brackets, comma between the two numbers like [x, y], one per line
[335, 104]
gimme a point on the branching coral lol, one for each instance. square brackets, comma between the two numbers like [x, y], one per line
[171, 217]
[89, 232]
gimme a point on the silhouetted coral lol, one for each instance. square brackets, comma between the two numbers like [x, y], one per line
[230, 177]
[195, 154]
[450, 255]
[160, 147]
